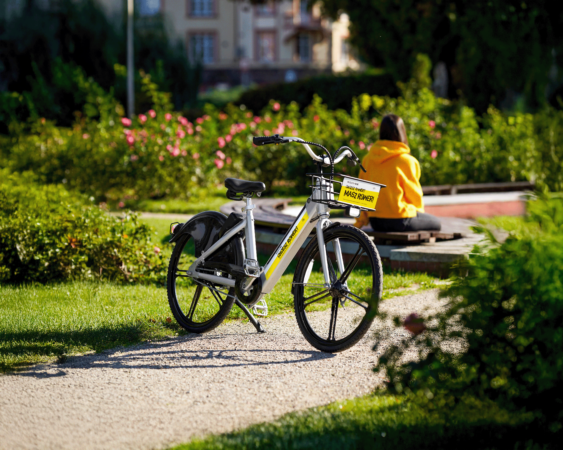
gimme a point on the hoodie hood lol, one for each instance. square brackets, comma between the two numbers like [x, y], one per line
[382, 151]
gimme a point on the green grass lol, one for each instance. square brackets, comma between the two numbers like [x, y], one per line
[40, 323]
[43, 323]
[385, 422]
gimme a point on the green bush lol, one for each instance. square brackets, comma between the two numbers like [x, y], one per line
[337, 91]
[47, 233]
[505, 315]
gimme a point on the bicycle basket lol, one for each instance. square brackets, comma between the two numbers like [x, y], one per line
[354, 192]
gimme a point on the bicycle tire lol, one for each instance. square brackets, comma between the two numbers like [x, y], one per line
[211, 316]
[311, 322]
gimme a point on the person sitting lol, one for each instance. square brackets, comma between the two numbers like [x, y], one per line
[399, 206]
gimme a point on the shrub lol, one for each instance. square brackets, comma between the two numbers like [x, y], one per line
[507, 312]
[336, 90]
[47, 233]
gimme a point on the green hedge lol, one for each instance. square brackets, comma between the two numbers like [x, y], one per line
[501, 336]
[336, 91]
[47, 234]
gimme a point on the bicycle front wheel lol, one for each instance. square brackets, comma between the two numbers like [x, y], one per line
[334, 316]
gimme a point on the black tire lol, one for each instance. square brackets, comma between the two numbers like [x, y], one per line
[198, 307]
[363, 283]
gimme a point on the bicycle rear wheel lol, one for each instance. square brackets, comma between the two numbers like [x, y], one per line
[335, 317]
[200, 306]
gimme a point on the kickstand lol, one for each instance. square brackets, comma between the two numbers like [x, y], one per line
[252, 319]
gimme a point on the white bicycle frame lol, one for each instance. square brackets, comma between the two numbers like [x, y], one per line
[313, 215]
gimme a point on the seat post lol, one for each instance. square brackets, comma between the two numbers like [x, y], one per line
[249, 232]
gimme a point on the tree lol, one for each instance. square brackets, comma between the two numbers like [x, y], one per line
[491, 48]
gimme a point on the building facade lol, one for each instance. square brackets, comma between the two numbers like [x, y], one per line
[239, 43]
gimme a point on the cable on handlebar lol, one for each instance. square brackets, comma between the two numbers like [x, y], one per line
[323, 148]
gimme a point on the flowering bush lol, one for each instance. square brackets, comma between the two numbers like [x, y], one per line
[47, 233]
[161, 153]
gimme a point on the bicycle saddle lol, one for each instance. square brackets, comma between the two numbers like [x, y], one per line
[242, 186]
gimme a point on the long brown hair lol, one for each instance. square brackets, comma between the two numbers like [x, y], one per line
[393, 129]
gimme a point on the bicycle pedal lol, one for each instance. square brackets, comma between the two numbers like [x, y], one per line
[260, 308]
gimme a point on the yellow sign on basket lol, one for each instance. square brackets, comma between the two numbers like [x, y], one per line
[359, 193]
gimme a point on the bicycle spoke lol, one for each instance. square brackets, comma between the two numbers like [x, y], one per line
[333, 314]
[314, 295]
[356, 302]
[332, 273]
[351, 265]
[316, 300]
[217, 296]
[195, 300]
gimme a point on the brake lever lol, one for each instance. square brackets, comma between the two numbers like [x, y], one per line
[363, 167]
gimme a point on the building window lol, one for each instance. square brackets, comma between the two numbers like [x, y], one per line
[266, 42]
[148, 7]
[304, 16]
[202, 8]
[304, 47]
[344, 51]
[267, 9]
[202, 46]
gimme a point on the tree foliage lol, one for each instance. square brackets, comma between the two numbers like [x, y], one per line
[491, 48]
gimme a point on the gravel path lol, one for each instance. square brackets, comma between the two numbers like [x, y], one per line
[158, 394]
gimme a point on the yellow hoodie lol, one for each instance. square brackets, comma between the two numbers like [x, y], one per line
[390, 163]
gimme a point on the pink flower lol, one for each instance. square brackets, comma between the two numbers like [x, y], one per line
[167, 117]
[206, 117]
[195, 156]
[169, 148]
[414, 324]
[316, 118]
[121, 205]
[198, 128]
[127, 132]
[375, 124]
[431, 124]
[134, 158]
[438, 135]
[433, 154]
[199, 120]
[361, 145]
[130, 139]
[157, 250]
[219, 163]
[346, 133]
[162, 126]
[289, 123]
[248, 114]
[190, 131]
[126, 122]
[181, 134]
[276, 106]
[229, 160]
[268, 119]
[252, 124]
[176, 151]
[294, 132]
[161, 158]
[152, 113]
[241, 126]
[184, 153]
[228, 138]
[183, 121]
[220, 154]
[221, 142]
[267, 132]
[222, 116]
[257, 119]
[85, 136]
[142, 118]
[352, 142]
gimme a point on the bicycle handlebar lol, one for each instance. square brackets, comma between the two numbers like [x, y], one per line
[277, 139]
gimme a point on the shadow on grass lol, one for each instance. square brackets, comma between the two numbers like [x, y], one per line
[156, 355]
[399, 426]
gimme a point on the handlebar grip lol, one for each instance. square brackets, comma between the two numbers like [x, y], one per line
[265, 140]
[261, 140]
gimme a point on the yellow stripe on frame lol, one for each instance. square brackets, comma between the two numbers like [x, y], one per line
[287, 244]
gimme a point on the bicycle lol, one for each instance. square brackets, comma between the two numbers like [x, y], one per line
[336, 293]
